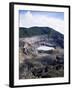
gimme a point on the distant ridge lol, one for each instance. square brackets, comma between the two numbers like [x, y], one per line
[34, 31]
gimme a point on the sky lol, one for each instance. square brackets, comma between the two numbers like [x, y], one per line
[55, 20]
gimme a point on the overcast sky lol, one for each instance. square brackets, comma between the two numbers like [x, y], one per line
[54, 20]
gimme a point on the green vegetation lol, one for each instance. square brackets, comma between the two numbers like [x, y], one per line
[34, 31]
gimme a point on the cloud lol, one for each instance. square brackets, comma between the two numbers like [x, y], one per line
[30, 20]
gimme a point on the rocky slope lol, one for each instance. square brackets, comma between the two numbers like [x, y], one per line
[40, 64]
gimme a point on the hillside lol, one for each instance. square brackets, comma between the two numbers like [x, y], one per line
[48, 35]
[34, 31]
